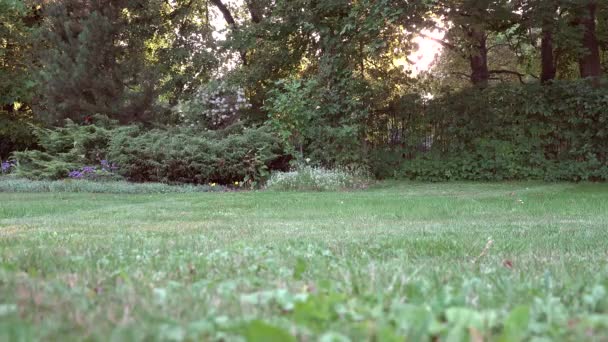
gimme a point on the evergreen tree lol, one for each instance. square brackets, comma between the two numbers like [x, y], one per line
[19, 21]
[95, 62]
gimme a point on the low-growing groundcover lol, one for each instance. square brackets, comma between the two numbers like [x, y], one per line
[9, 184]
[450, 262]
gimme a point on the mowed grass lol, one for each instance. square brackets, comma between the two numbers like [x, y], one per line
[457, 262]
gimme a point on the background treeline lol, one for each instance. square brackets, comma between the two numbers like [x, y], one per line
[152, 87]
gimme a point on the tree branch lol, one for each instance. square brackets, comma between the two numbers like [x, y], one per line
[462, 74]
[510, 72]
[446, 45]
[225, 12]
[231, 22]
[254, 11]
[440, 41]
[499, 45]
[180, 10]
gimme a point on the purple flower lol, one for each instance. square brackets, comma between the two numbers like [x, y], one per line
[76, 174]
[107, 166]
[91, 172]
[88, 169]
[6, 166]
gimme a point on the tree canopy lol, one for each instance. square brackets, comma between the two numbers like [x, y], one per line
[335, 78]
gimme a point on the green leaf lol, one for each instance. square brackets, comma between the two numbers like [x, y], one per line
[416, 320]
[333, 337]
[516, 325]
[259, 331]
[300, 268]
[464, 317]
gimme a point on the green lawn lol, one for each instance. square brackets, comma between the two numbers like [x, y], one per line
[459, 261]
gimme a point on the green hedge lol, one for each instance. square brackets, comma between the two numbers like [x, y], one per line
[185, 156]
[64, 149]
[175, 155]
[15, 134]
[509, 132]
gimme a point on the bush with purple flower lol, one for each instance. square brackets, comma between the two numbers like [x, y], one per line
[6, 167]
[105, 171]
[107, 166]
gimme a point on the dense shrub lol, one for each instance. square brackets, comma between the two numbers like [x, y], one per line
[215, 105]
[507, 132]
[310, 178]
[178, 155]
[105, 171]
[16, 133]
[189, 156]
[322, 122]
[6, 167]
[553, 132]
[64, 149]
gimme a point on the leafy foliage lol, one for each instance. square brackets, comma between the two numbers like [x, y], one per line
[214, 106]
[64, 149]
[335, 79]
[190, 156]
[326, 126]
[20, 21]
[308, 178]
[104, 172]
[6, 167]
[16, 133]
[121, 59]
[179, 155]
[554, 132]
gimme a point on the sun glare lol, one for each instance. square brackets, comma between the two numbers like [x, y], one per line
[428, 50]
[417, 61]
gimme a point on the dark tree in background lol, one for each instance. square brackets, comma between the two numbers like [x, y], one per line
[19, 22]
[92, 65]
[131, 60]
[590, 64]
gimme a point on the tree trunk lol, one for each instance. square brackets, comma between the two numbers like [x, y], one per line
[8, 108]
[548, 66]
[229, 18]
[225, 12]
[590, 64]
[478, 58]
[254, 11]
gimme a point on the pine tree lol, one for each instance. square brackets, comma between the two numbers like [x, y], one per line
[94, 63]
[18, 22]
